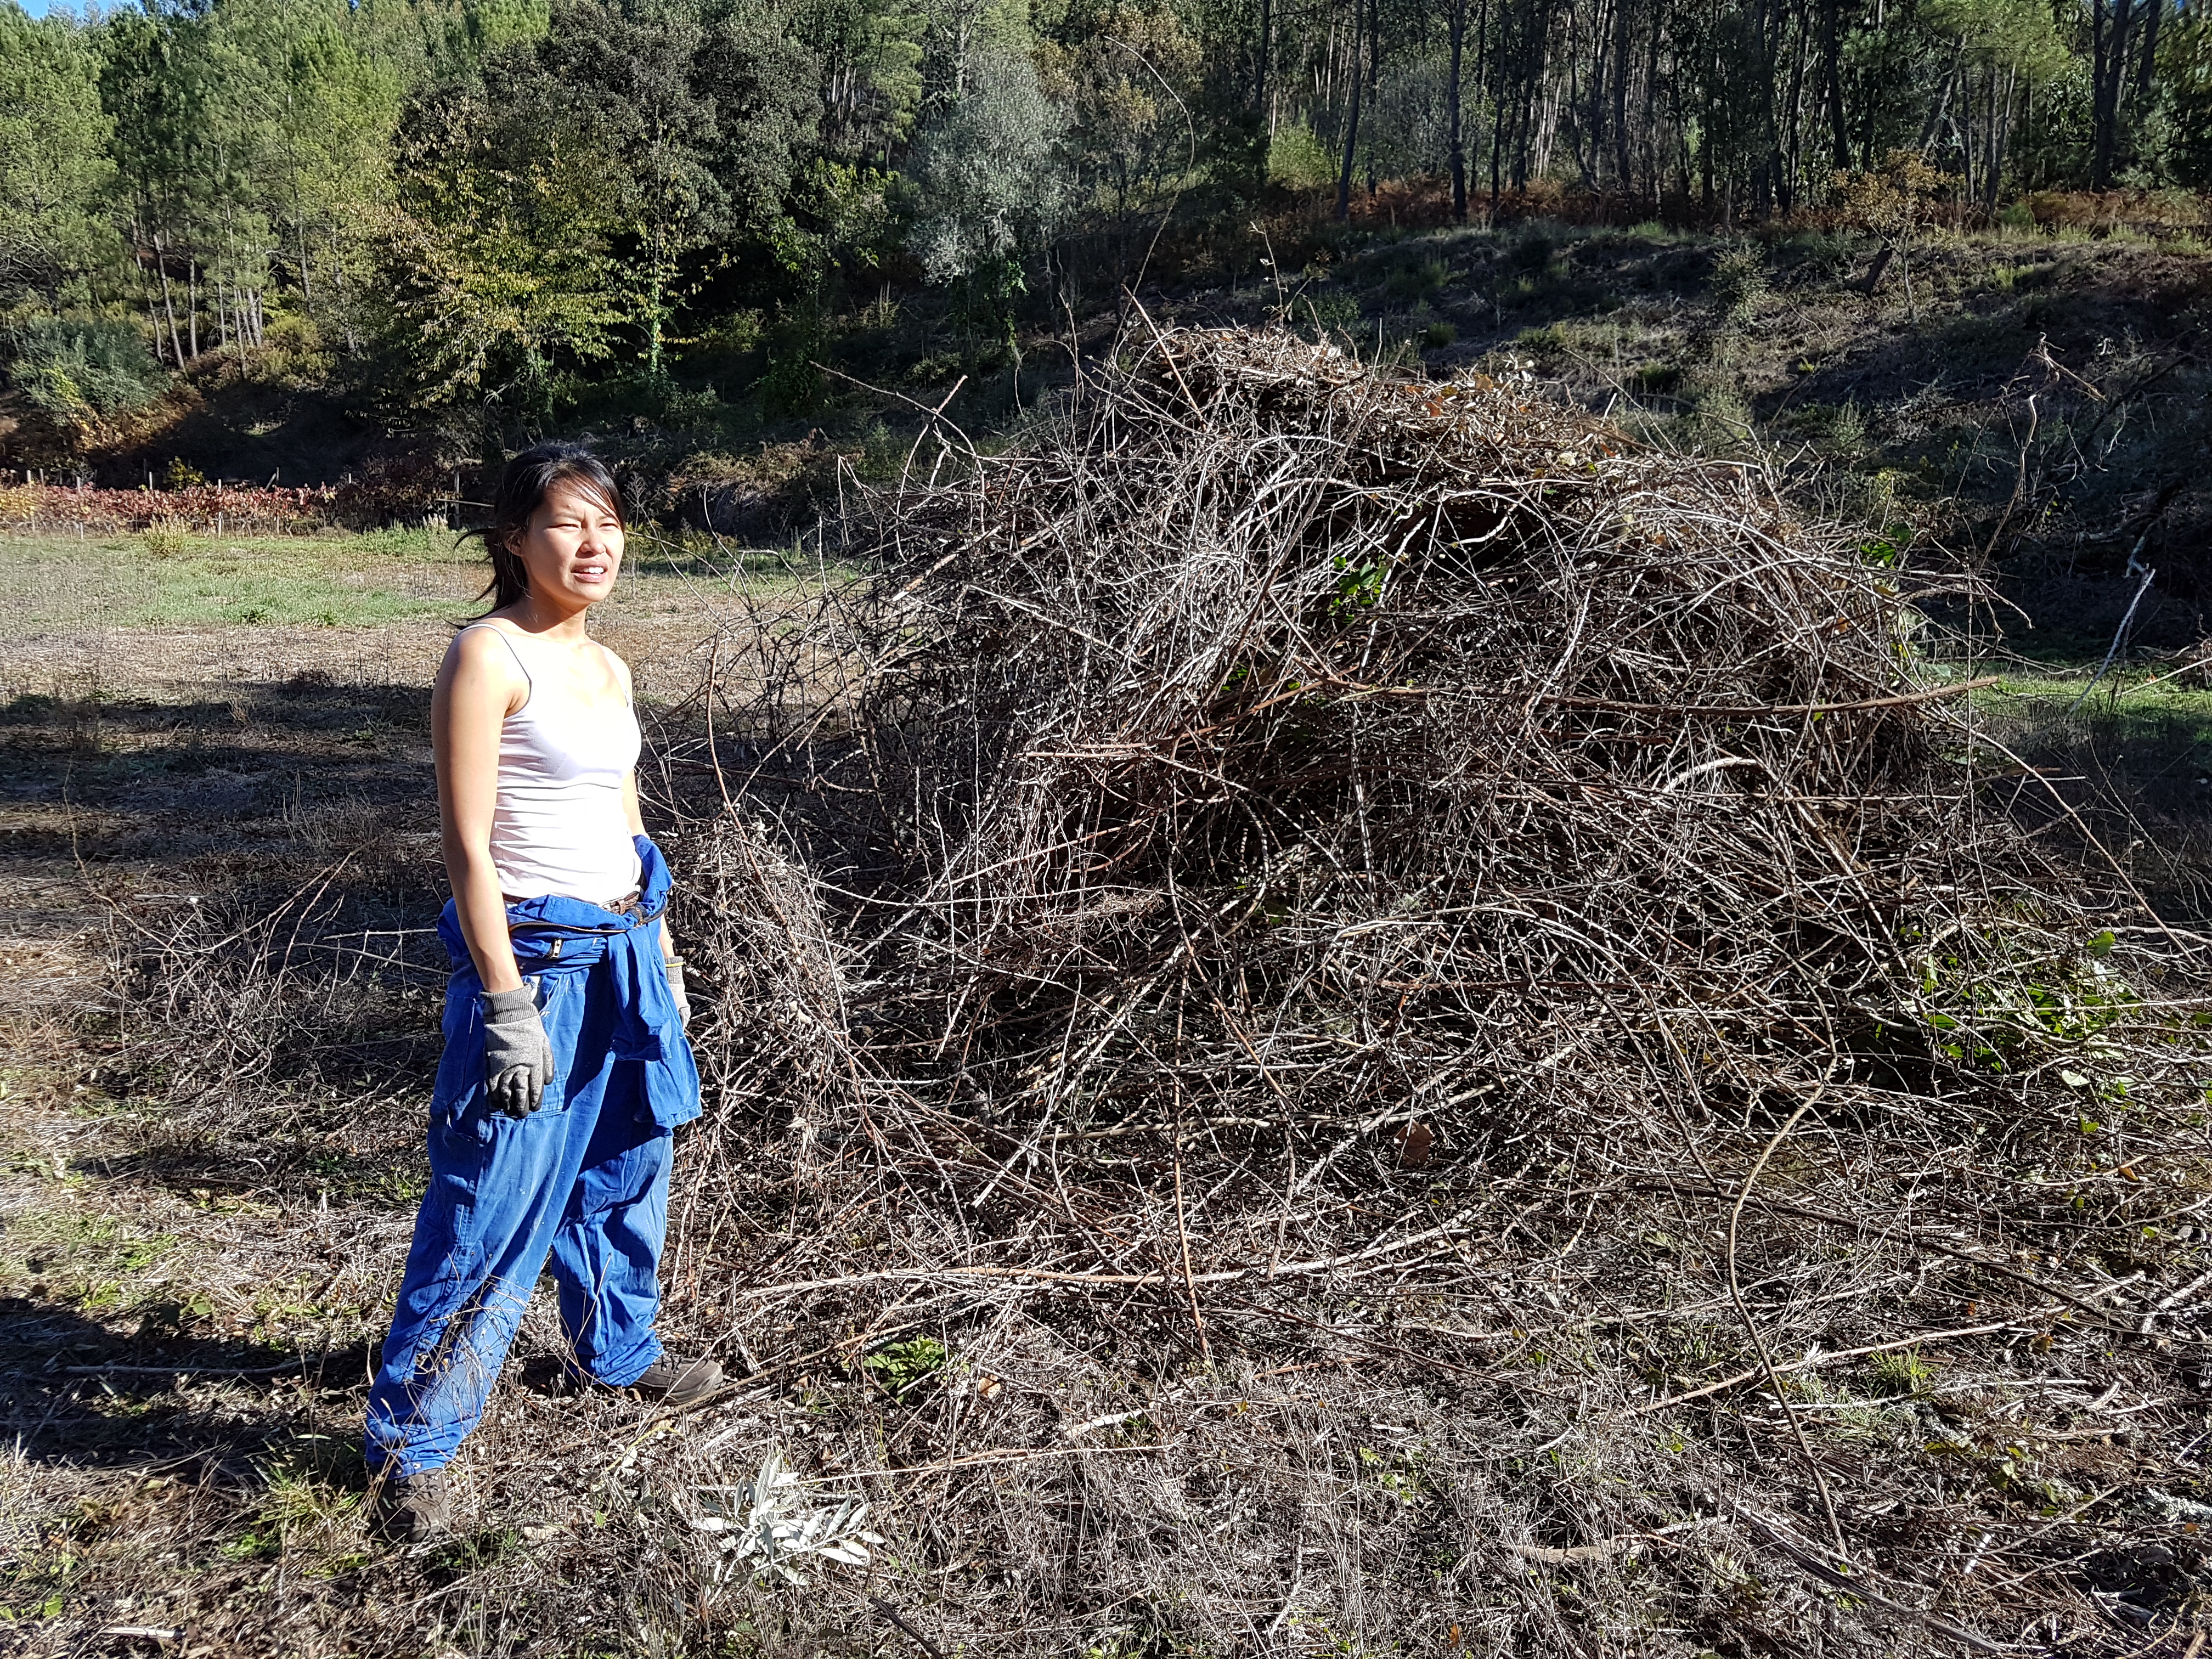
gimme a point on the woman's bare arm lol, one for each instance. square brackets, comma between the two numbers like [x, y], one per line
[475, 691]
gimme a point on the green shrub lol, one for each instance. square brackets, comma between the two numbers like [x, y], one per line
[2022, 279]
[1740, 283]
[80, 370]
[1298, 160]
[1724, 414]
[793, 383]
[1416, 280]
[1436, 336]
[1329, 313]
[168, 539]
[933, 370]
[1533, 252]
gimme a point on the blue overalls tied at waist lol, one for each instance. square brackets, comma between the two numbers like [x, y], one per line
[558, 940]
[579, 1186]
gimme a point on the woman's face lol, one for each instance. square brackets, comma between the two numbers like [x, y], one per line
[572, 547]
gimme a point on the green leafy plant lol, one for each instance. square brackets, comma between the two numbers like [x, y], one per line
[168, 539]
[1394, 1472]
[904, 1366]
[1298, 160]
[1990, 1011]
[1416, 280]
[1533, 253]
[1358, 586]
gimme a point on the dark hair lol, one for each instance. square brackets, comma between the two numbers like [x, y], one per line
[522, 488]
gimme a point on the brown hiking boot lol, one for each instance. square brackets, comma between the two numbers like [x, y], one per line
[414, 1509]
[671, 1381]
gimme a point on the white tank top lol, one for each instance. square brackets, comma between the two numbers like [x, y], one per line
[559, 826]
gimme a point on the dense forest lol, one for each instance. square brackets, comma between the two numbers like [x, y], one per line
[473, 214]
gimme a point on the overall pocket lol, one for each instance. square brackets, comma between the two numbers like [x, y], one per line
[560, 1005]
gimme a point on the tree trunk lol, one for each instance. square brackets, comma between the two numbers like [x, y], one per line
[1265, 126]
[1624, 160]
[145, 290]
[2108, 75]
[1766, 174]
[1790, 154]
[1940, 112]
[1532, 75]
[1999, 140]
[1831, 61]
[1962, 134]
[1706, 160]
[1600, 102]
[1498, 108]
[338, 283]
[1458, 137]
[1352, 120]
[168, 304]
[1866, 133]
[193, 303]
[1653, 187]
[1374, 75]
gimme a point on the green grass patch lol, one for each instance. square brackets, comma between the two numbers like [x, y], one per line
[73, 1257]
[2124, 704]
[1902, 1371]
[170, 578]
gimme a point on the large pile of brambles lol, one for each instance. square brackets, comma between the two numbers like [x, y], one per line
[1427, 1005]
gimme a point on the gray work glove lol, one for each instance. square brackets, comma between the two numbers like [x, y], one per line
[518, 1057]
[675, 967]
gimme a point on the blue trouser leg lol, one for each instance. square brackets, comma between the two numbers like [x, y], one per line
[586, 1177]
[481, 1239]
[606, 1253]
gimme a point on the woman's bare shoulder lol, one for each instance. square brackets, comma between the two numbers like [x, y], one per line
[615, 662]
[482, 648]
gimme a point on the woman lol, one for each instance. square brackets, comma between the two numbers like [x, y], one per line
[566, 1067]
